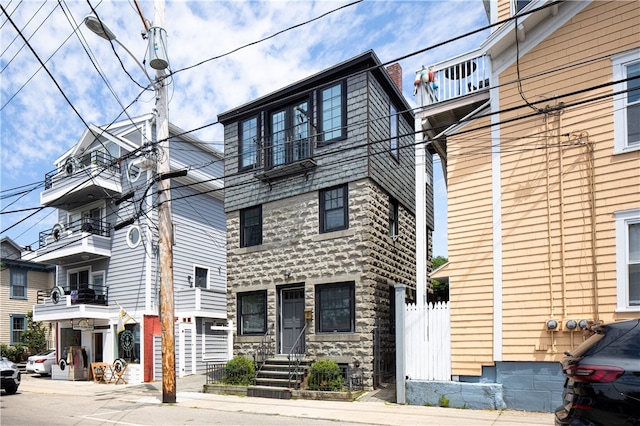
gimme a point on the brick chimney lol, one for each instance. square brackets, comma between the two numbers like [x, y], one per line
[395, 71]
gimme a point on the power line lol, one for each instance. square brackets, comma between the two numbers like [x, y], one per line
[266, 38]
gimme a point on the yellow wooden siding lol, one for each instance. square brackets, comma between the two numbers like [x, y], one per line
[8, 306]
[469, 165]
[538, 284]
[595, 32]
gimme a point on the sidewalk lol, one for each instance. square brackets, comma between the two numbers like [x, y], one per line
[367, 410]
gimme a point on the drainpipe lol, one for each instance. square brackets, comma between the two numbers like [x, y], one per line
[592, 198]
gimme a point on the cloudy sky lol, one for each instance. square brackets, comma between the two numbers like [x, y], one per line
[44, 111]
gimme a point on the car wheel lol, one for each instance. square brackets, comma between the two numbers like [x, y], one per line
[11, 389]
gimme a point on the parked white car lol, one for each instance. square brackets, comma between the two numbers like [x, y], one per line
[41, 362]
[10, 376]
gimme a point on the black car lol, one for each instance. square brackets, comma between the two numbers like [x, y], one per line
[602, 385]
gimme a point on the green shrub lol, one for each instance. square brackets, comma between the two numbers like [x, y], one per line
[15, 353]
[325, 375]
[239, 371]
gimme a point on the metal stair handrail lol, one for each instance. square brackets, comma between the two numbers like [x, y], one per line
[263, 352]
[294, 364]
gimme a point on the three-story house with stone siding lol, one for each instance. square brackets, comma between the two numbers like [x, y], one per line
[320, 211]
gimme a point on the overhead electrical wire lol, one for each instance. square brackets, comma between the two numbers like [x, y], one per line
[8, 45]
[218, 123]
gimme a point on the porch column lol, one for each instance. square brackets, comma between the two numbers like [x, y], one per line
[401, 367]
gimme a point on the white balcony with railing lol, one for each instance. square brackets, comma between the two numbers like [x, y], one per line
[197, 301]
[79, 241]
[454, 78]
[81, 180]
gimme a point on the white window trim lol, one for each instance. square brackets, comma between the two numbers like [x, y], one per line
[619, 62]
[134, 244]
[93, 274]
[208, 275]
[623, 219]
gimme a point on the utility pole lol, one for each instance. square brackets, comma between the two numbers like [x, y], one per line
[157, 56]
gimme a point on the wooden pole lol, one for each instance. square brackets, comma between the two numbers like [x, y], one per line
[165, 228]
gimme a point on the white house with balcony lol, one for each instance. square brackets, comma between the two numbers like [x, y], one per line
[105, 300]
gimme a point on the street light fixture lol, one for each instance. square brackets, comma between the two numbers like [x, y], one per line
[157, 51]
[100, 28]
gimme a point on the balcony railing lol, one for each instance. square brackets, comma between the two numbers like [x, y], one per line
[286, 157]
[88, 294]
[89, 225]
[452, 79]
[73, 165]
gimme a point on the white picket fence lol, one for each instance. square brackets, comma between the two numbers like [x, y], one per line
[428, 341]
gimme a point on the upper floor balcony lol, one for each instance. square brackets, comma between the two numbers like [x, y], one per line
[79, 241]
[450, 90]
[197, 301]
[82, 301]
[82, 180]
[282, 157]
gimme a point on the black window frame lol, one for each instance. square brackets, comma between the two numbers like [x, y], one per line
[321, 294]
[240, 314]
[293, 148]
[324, 228]
[322, 139]
[241, 145]
[394, 209]
[394, 131]
[243, 227]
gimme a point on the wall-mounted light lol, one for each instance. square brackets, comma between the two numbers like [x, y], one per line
[287, 274]
[571, 325]
[552, 325]
[190, 280]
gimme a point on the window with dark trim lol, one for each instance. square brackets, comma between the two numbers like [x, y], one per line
[334, 212]
[252, 313]
[393, 133]
[335, 308]
[290, 137]
[18, 284]
[393, 216]
[520, 4]
[18, 326]
[332, 112]
[251, 226]
[248, 143]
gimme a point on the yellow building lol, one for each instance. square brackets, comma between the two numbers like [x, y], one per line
[21, 284]
[539, 134]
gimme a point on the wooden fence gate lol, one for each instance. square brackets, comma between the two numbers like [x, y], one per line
[428, 341]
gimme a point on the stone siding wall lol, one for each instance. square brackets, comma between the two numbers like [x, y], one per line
[364, 254]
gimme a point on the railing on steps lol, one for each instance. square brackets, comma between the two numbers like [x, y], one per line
[264, 351]
[295, 357]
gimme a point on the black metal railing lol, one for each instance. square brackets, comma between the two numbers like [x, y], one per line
[295, 357]
[265, 350]
[88, 294]
[95, 158]
[214, 372]
[87, 224]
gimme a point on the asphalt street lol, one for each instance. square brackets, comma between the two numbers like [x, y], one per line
[141, 405]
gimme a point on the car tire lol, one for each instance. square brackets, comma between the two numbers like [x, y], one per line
[11, 388]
